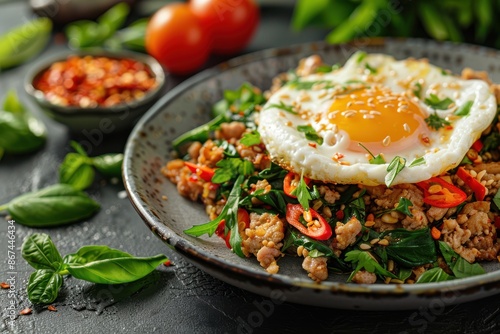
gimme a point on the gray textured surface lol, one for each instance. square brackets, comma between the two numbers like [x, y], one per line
[178, 299]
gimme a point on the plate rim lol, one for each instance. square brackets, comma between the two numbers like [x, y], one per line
[186, 248]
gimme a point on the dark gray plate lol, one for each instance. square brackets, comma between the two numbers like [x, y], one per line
[188, 105]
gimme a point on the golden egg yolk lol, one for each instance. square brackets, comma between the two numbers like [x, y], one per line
[376, 115]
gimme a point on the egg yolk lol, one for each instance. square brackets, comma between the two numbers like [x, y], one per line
[376, 115]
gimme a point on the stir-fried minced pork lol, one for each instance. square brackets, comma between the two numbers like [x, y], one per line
[364, 277]
[346, 234]
[316, 267]
[265, 231]
[469, 228]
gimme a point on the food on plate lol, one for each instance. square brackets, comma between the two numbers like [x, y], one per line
[95, 81]
[381, 170]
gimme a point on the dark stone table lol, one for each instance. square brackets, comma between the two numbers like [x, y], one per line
[180, 298]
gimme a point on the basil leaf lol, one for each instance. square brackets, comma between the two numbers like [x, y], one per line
[200, 133]
[410, 248]
[435, 102]
[109, 165]
[464, 109]
[434, 275]
[395, 167]
[231, 168]
[403, 206]
[55, 205]
[496, 199]
[375, 160]
[288, 108]
[436, 122]
[459, 266]
[310, 133]
[228, 212]
[250, 139]
[364, 259]
[302, 193]
[88, 254]
[41, 253]
[21, 131]
[44, 285]
[417, 162]
[76, 171]
[115, 270]
[417, 90]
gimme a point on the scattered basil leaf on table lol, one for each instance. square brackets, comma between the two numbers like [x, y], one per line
[77, 168]
[24, 42]
[21, 132]
[96, 264]
[44, 286]
[52, 206]
[41, 253]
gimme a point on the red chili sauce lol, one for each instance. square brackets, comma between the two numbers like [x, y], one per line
[92, 81]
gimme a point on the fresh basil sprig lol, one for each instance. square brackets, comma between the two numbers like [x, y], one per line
[365, 260]
[96, 264]
[230, 214]
[77, 168]
[20, 131]
[395, 167]
[52, 206]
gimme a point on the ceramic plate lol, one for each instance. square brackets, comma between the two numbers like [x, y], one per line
[167, 214]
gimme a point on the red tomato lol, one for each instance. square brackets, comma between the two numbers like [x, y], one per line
[176, 38]
[293, 214]
[230, 22]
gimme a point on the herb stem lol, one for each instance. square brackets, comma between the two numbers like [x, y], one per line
[4, 207]
[63, 272]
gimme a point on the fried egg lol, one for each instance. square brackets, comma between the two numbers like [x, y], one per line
[347, 126]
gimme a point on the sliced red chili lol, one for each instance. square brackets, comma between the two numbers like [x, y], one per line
[291, 182]
[243, 223]
[204, 172]
[321, 232]
[478, 145]
[441, 194]
[476, 186]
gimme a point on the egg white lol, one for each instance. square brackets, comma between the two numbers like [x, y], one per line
[334, 161]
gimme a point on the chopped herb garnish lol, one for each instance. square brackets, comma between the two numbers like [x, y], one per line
[360, 56]
[496, 199]
[436, 122]
[395, 167]
[418, 90]
[403, 206]
[464, 109]
[370, 68]
[365, 260]
[375, 160]
[306, 85]
[282, 106]
[228, 213]
[302, 193]
[435, 102]
[231, 168]
[310, 133]
[417, 162]
[251, 138]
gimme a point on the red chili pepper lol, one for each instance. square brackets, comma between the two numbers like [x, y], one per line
[290, 183]
[441, 194]
[496, 222]
[243, 219]
[478, 145]
[476, 186]
[293, 214]
[204, 172]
